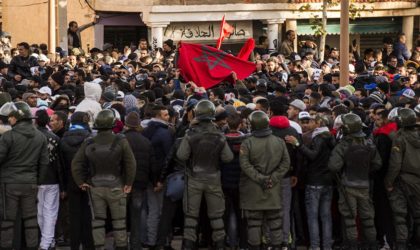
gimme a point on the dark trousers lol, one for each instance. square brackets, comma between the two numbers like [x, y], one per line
[138, 198]
[235, 224]
[21, 196]
[80, 220]
[169, 209]
[383, 224]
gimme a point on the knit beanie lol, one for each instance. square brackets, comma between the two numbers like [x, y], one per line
[377, 97]
[130, 102]
[58, 77]
[4, 97]
[132, 120]
[80, 118]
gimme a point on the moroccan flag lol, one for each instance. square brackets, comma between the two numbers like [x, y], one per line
[225, 31]
[247, 49]
[207, 66]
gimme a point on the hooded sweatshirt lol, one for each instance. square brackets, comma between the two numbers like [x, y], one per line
[281, 127]
[90, 104]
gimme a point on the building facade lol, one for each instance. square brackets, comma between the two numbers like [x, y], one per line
[124, 22]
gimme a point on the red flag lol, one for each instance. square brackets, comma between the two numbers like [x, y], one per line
[247, 49]
[225, 31]
[207, 66]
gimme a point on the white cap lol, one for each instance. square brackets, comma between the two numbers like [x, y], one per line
[120, 94]
[352, 68]
[45, 90]
[299, 104]
[304, 115]
[43, 58]
[409, 93]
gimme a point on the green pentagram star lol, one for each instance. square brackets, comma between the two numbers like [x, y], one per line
[216, 60]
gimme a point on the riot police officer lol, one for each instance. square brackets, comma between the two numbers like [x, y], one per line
[204, 146]
[403, 178]
[264, 161]
[111, 169]
[355, 158]
[23, 157]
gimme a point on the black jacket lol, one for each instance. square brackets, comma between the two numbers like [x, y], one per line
[280, 126]
[231, 171]
[23, 154]
[54, 175]
[318, 154]
[22, 66]
[161, 138]
[69, 144]
[174, 164]
[144, 155]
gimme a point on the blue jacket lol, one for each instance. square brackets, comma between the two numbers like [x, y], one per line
[401, 52]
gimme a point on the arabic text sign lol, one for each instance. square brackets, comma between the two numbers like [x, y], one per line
[206, 31]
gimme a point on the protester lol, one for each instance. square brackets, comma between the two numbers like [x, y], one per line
[153, 95]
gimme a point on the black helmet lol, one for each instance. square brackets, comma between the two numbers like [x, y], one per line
[259, 120]
[406, 118]
[21, 111]
[352, 125]
[104, 120]
[205, 110]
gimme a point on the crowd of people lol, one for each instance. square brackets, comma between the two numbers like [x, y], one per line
[110, 143]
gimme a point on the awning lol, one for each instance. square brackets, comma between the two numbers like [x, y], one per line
[358, 26]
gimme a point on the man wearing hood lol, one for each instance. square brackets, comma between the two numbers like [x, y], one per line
[281, 127]
[318, 190]
[264, 161]
[403, 177]
[382, 136]
[355, 159]
[90, 104]
[23, 157]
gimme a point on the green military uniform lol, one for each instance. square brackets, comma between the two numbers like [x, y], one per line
[107, 163]
[204, 146]
[403, 180]
[23, 156]
[264, 161]
[355, 159]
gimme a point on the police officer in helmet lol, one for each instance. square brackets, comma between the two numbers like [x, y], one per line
[204, 146]
[23, 157]
[108, 177]
[264, 161]
[354, 159]
[403, 178]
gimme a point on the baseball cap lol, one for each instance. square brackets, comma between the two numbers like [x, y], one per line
[298, 104]
[304, 116]
[409, 93]
[45, 90]
[43, 58]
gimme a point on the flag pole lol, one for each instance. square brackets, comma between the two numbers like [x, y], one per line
[219, 41]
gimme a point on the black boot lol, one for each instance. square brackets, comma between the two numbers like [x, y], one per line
[219, 245]
[251, 247]
[276, 247]
[400, 245]
[188, 245]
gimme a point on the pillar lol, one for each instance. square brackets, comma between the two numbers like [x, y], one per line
[291, 24]
[51, 27]
[344, 43]
[62, 24]
[157, 34]
[273, 34]
[408, 28]
[99, 35]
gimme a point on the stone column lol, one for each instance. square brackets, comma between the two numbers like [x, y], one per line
[273, 33]
[62, 24]
[291, 24]
[408, 28]
[52, 35]
[157, 34]
[99, 31]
